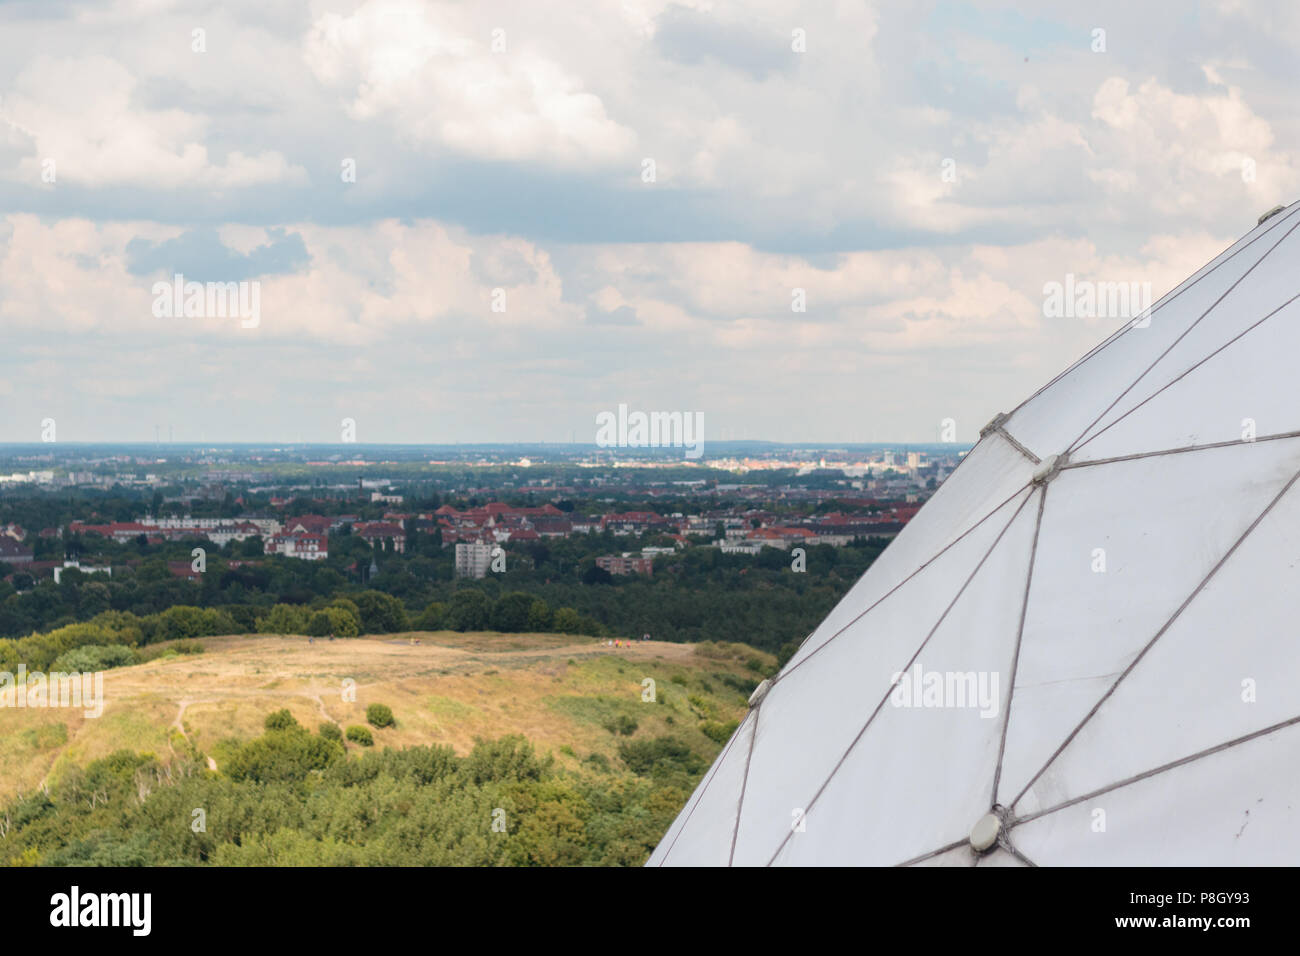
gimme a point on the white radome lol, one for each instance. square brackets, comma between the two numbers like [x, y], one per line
[1085, 648]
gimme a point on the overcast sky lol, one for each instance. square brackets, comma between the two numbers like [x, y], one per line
[920, 170]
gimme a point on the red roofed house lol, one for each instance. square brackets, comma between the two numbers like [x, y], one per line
[376, 533]
[299, 544]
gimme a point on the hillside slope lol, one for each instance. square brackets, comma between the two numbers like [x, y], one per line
[570, 697]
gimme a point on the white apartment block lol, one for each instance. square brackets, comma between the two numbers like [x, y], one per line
[473, 558]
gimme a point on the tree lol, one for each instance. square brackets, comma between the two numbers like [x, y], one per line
[539, 616]
[510, 613]
[331, 622]
[566, 621]
[284, 619]
[469, 610]
[432, 618]
[597, 575]
[280, 720]
[182, 622]
[350, 607]
[380, 613]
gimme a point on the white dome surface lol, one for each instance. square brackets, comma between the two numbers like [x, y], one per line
[1091, 630]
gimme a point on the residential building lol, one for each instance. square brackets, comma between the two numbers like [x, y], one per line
[303, 545]
[626, 563]
[473, 558]
[381, 534]
[83, 568]
[13, 552]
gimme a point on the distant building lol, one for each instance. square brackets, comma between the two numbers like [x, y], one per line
[182, 569]
[303, 545]
[634, 522]
[12, 552]
[782, 537]
[308, 524]
[625, 564]
[83, 568]
[377, 533]
[473, 558]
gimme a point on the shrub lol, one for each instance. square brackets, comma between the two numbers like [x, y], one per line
[717, 731]
[284, 619]
[331, 731]
[786, 652]
[283, 754]
[174, 649]
[379, 715]
[511, 758]
[622, 724]
[361, 735]
[660, 755]
[94, 657]
[331, 622]
[280, 720]
[745, 685]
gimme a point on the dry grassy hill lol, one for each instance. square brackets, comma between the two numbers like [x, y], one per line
[565, 694]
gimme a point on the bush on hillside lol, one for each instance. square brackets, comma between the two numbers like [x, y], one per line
[91, 658]
[718, 731]
[361, 735]
[280, 720]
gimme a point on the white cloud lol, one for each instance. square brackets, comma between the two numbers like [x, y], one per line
[416, 65]
[79, 113]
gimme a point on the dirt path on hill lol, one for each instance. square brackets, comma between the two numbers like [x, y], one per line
[179, 724]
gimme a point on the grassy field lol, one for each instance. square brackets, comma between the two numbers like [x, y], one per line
[572, 697]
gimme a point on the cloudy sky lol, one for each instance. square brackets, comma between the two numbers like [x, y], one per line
[919, 169]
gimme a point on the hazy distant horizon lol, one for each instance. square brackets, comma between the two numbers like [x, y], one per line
[727, 445]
